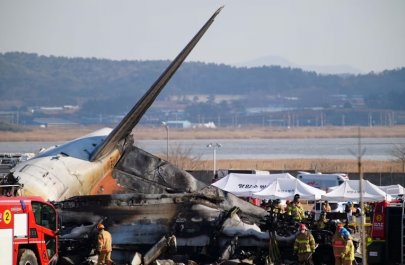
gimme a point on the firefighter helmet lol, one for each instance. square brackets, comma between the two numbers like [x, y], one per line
[100, 226]
[344, 232]
[303, 227]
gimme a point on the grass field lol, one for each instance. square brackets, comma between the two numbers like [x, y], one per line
[321, 165]
[142, 133]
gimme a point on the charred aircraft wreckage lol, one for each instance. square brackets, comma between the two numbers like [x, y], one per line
[156, 211]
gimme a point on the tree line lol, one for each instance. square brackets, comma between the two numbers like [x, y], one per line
[91, 83]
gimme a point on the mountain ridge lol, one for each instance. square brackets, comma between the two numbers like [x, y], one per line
[27, 78]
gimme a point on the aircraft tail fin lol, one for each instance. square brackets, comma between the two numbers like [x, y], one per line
[124, 128]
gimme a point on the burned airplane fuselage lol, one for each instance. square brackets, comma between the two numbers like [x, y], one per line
[207, 220]
[201, 218]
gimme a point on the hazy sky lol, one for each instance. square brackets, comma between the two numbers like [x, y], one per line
[366, 34]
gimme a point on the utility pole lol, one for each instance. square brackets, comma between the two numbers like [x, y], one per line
[363, 244]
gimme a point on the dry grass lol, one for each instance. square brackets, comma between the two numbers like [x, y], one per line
[312, 165]
[142, 133]
[45, 134]
[322, 165]
[270, 132]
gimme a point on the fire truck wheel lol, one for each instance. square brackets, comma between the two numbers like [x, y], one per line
[27, 257]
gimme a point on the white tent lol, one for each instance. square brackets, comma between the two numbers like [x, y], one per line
[285, 189]
[244, 185]
[393, 190]
[350, 191]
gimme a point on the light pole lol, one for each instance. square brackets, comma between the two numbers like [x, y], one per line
[214, 147]
[167, 139]
[363, 245]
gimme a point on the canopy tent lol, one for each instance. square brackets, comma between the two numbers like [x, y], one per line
[350, 191]
[244, 185]
[286, 189]
[393, 190]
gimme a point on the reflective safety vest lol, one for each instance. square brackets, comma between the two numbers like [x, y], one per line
[289, 208]
[338, 244]
[321, 223]
[304, 243]
[297, 212]
[348, 253]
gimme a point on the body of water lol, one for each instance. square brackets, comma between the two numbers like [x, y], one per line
[332, 148]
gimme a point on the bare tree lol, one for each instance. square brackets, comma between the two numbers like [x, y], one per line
[183, 157]
[398, 151]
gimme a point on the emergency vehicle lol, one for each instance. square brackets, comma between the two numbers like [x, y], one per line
[28, 231]
[322, 181]
[387, 242]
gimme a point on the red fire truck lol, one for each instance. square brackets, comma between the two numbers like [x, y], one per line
[28, 231]
[388, 233]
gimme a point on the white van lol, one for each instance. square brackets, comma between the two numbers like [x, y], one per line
[223, 172]
[322, 181]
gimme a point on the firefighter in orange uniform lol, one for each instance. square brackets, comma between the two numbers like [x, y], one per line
[304, 245]
[348, 252]
[338, 244]
[104, 246]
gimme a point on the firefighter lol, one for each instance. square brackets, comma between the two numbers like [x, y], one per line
[349, 212]
[104, 246]
[278, 209]
[338, 244]
[348, 251]
[326, 207]
[287, 209]
[296, 210]
[322, 221]
[304, 245]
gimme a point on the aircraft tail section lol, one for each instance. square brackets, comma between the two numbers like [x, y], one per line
[125, 127]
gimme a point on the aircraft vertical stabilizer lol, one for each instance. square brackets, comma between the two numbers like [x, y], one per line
[125, 127]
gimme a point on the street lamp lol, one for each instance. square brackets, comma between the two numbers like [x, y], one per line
[214, 156]
[167, 139]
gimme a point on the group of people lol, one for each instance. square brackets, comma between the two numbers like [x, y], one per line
[305, 245]
[343, 247]
[293, 208]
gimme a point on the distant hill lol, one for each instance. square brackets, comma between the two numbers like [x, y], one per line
[34, 80]
[280, 61]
